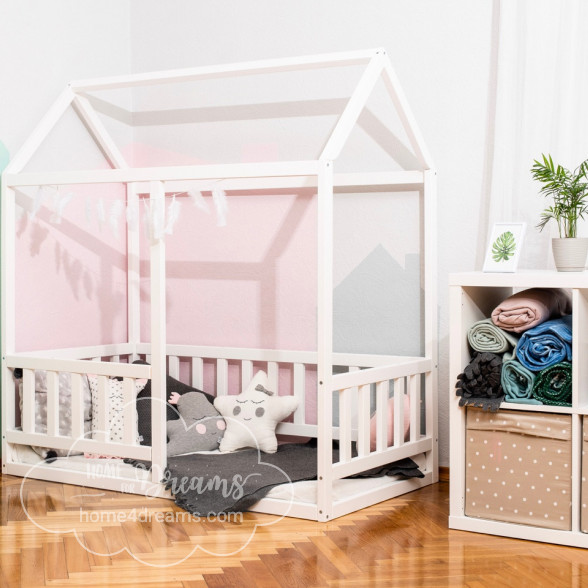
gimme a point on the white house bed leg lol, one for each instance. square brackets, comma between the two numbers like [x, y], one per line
[158, 339]
[325, 341]
[7, 300]
[430, 311]
[133, 272]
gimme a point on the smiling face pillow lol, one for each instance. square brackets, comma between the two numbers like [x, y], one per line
[253, 415]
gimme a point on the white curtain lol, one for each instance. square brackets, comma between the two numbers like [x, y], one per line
[538, 104]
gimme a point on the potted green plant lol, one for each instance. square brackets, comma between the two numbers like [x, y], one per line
[569, 191]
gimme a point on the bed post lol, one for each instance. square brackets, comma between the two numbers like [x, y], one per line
[325, 341]
[429, 216]
[158, 331]
[133, 273]
[8, 300]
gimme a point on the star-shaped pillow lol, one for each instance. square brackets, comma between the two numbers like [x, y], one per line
[253, 415]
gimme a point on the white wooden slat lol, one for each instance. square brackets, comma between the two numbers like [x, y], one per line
[222, 377]
[414, 395]
[246, 373]
[284, 356]
[399, 389]
[133, 274]
[405, 113]
[299, 385]
[198, 373]
[53, 403]
[98, 131]
[272, 376]
[129, 412]
[101, 433]
[93, 366]
[281, 64]
[156, 174]
[356, 104]
[363, 421]
[382, 392]
[377, 374]
[345, 423]
[173, 366]
[90, 445]
[77, 353]
[375, 459]
[28, 401]
[77, 407]
[343, 183]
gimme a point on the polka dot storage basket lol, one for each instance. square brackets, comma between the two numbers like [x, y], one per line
[518, 467]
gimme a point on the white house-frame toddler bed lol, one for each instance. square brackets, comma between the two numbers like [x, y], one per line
[351, 378]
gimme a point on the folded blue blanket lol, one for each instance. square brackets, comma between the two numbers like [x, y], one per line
[517, 382]
[546, 344]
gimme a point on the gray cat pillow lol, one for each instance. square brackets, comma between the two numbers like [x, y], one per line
[199, 428]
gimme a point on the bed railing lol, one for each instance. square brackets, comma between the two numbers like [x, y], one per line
[362, 388]
[76, 439]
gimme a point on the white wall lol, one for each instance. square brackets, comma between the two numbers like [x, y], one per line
[44, 45]
[441, 51]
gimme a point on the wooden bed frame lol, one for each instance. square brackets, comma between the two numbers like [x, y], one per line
[352, 377]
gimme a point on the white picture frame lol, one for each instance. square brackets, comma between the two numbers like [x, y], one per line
[503, 251]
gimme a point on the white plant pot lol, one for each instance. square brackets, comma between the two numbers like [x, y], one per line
[570, 254]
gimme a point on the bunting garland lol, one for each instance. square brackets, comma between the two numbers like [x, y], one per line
[160, 216]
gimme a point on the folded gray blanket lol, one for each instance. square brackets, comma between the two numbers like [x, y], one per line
[486, 336]
[209, 484]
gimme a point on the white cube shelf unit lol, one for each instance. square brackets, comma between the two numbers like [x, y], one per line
[473, 296]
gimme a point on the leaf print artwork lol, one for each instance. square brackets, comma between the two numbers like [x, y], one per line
[504, 247]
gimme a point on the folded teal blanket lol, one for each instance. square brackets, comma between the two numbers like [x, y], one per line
[517, 381]
[546, 344]
[553, 385]
[485, 336]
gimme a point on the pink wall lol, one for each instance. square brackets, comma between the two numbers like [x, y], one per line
[70, 278]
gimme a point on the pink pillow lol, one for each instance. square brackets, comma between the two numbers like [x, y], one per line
[391, 423]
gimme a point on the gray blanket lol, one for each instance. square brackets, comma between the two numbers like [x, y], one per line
[209, 484]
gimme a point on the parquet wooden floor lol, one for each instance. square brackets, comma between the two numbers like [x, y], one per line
[402, 542]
